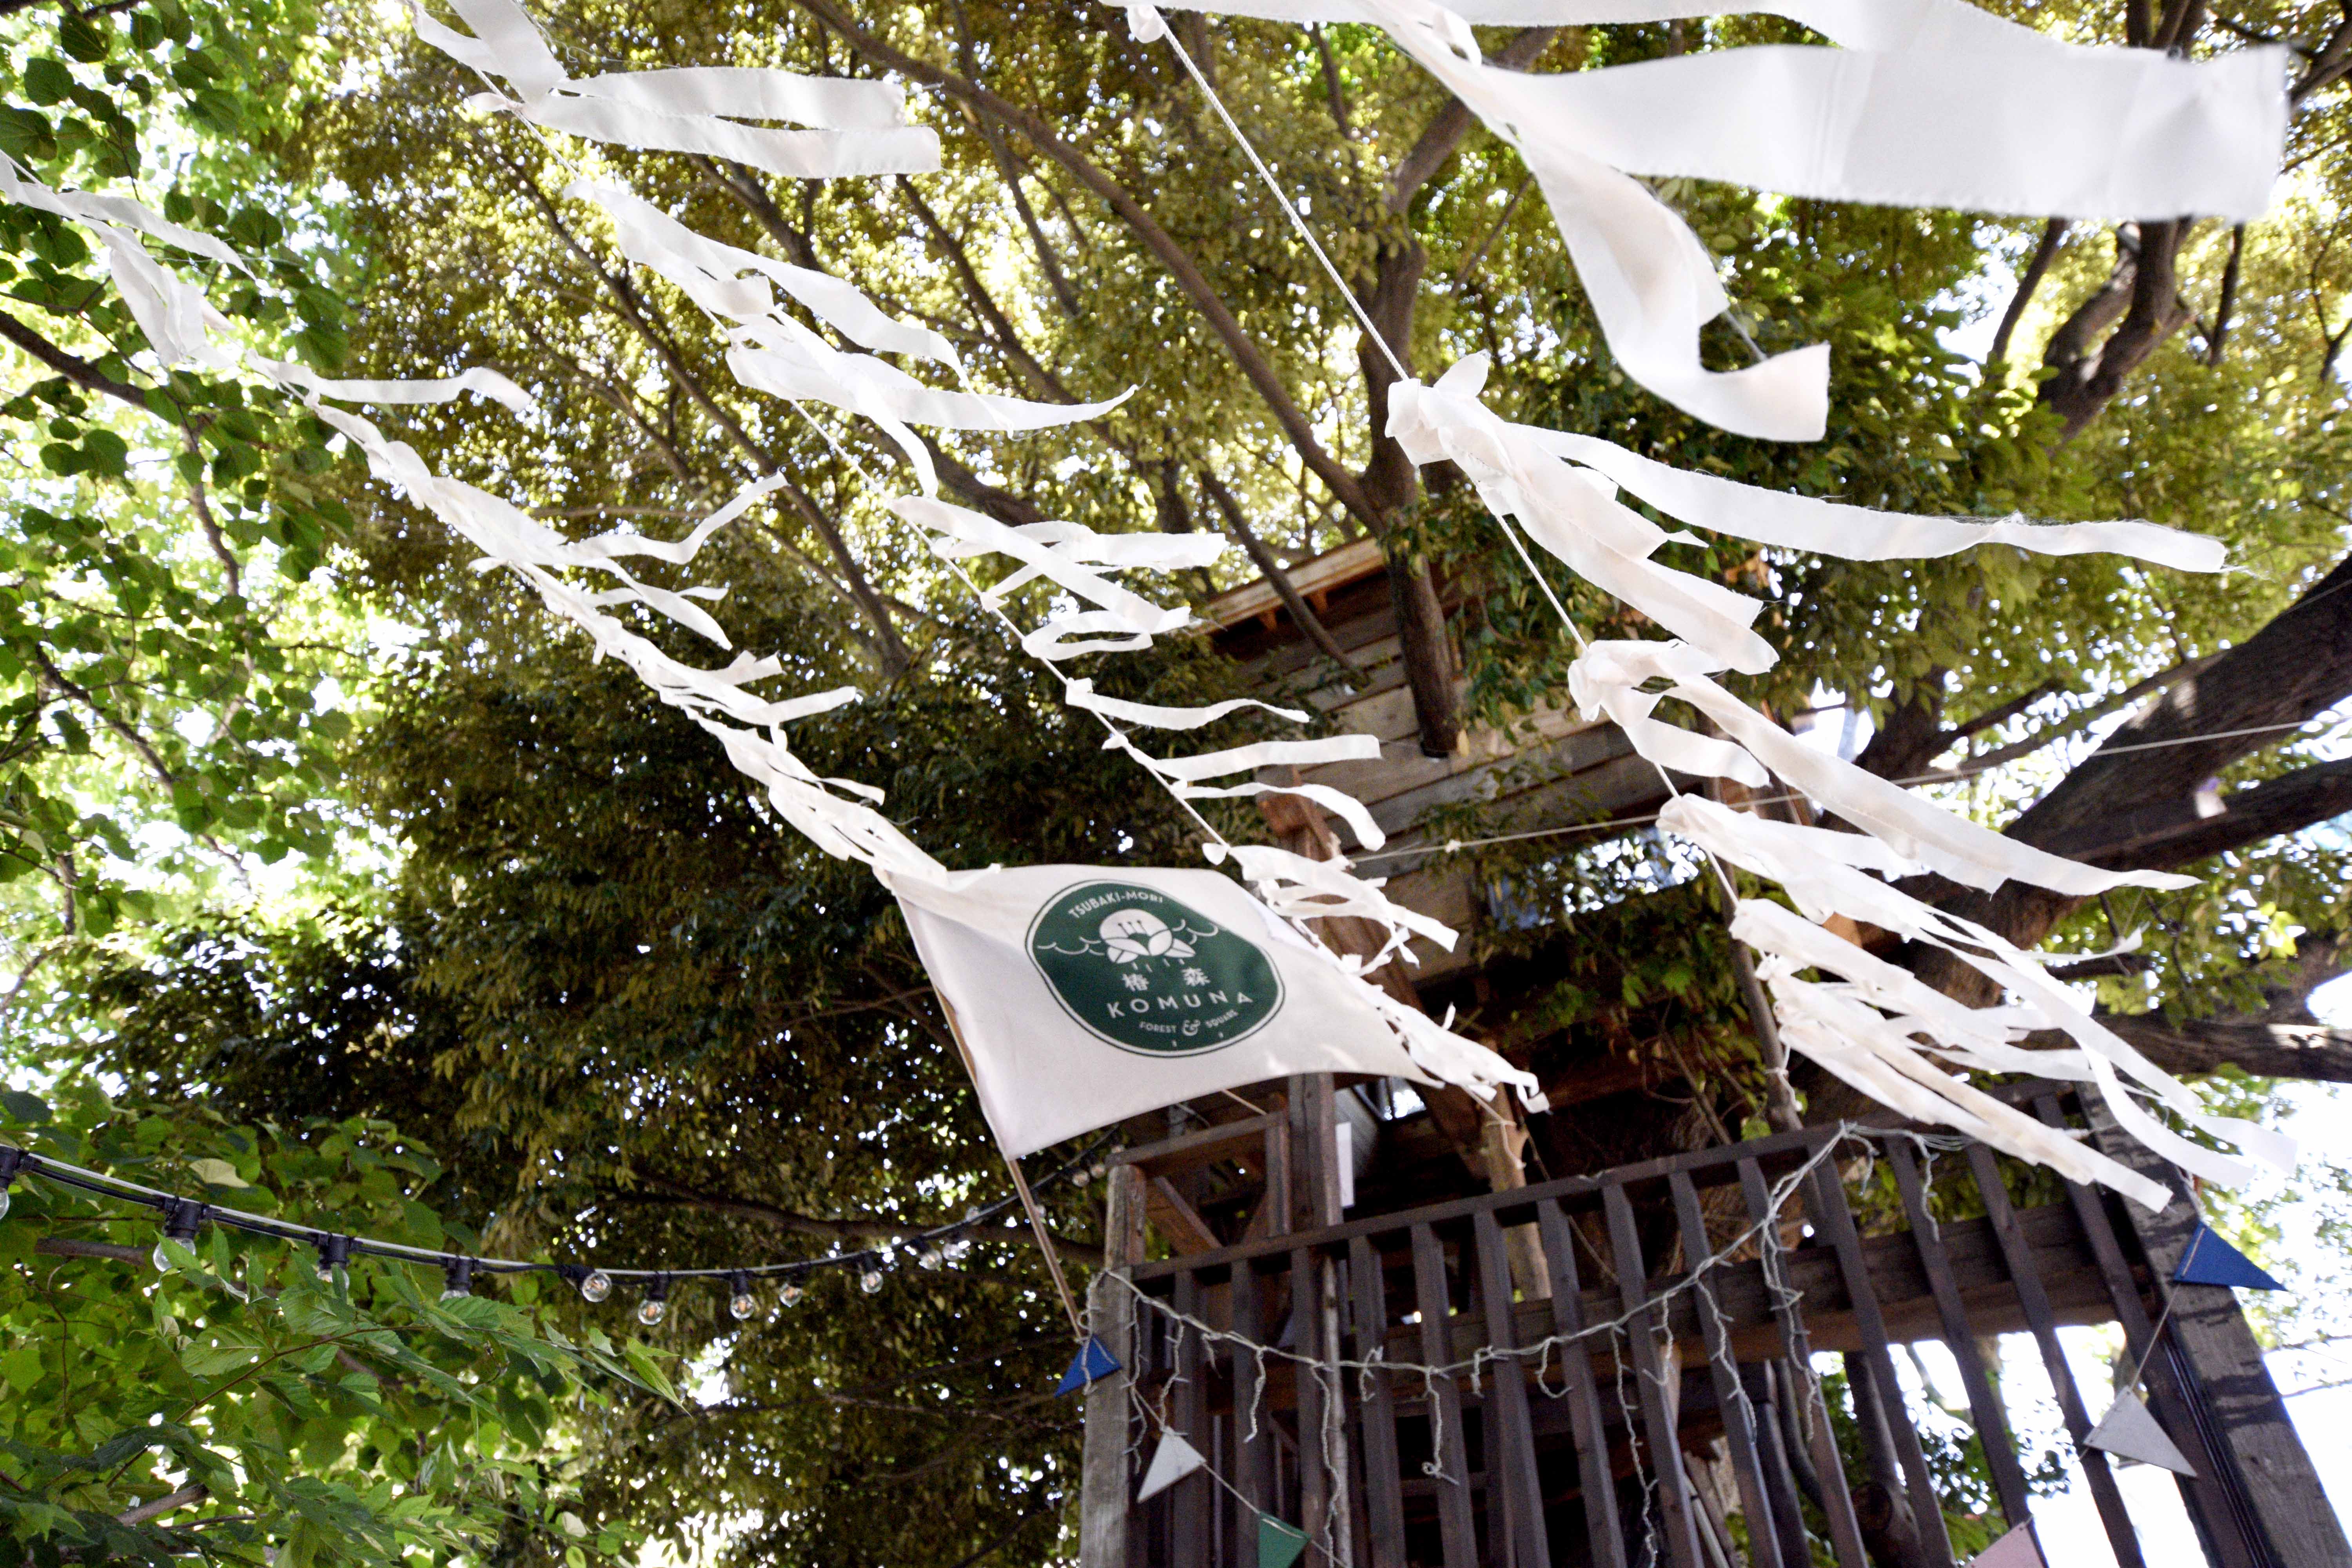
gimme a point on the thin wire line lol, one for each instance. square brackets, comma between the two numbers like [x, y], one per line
[1283, 201]
[60, 1173]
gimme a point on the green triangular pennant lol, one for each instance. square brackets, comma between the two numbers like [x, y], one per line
[1278, 1545]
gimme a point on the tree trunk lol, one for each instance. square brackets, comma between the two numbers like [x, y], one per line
[2134, 802]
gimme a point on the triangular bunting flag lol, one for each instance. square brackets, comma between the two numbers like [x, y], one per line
[1278, 1545]
[2209, 1260]
[2018, 1549]
[2128, 1432]
[1170, 1462]
[1094, 1361]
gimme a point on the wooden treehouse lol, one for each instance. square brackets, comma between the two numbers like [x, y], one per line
[1682, 1361]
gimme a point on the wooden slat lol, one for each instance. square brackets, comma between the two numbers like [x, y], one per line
[1314, 1470]
[1357, 558]
[1190, 1505]
[1960, 1339]
[1664, 1444]
[1510, 1432]
[1586, 1423]
[1805, 1403]
[1830, 1218]
[1455, 1528]
[1730, 1398]
[1255, 1458]
[1772, 1435]
[1383, 1468]
[2121, 1537]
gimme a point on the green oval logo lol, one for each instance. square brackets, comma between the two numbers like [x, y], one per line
[1139, 969]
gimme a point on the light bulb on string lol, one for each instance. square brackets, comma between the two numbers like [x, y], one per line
[656, 1306]
[334, 1257]
[955, 1248]
[791, 1294]
[740, 1302]
[870, 1279]
[593, 1284]
[930, 1257]
[181, 1220]
[458, 1278]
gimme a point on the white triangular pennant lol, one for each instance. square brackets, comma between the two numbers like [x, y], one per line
[2128, 1432]
[2018, 1549]
[1170, 1462]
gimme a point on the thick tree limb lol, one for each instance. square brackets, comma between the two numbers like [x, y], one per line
[2311, 1051]
[2218, 339]
[2142, 297]
[2052, 233]
[2134, 801]
[80, 372]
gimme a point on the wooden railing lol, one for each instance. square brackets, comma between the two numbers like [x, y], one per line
[1626, 1410]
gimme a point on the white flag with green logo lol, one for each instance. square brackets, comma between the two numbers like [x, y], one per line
[1088, 995]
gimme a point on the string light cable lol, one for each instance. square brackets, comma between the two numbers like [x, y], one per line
[184, 1218]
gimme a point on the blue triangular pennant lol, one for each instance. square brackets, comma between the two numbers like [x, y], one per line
[1278, 1545]
[1094, 1361]
[2209, 1260]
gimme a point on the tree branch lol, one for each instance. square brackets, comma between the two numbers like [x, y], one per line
[2229, 301]
[1186, 272]
[185, 1496]
[2053, 233]
[80, 372]
[1277, 578]
[69, 1246]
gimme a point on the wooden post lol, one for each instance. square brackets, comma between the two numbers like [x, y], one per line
[2284, 1506]
[1323, 1460]
[1103, 1479]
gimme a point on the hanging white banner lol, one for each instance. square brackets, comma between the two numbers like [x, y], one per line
[1089, 993]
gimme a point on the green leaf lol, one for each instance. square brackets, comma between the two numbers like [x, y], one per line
[85, 39]
[216, 1172]
[27, 1110]
[46, 82]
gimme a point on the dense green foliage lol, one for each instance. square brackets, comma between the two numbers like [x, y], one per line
[261, 1408]
[162, 660]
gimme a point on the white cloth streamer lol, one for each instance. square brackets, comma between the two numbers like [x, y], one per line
[857, 127]
[1930, 102]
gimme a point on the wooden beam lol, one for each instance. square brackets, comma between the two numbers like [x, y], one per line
[1103, 1483]
[1179, 1224]
[1227, 1140]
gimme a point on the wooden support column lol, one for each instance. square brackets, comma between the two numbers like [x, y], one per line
[1103, 1479]
[2279, 1500]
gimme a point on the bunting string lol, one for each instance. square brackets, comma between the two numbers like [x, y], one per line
[932, 1247]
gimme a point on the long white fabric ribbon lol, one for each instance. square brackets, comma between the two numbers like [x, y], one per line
[1913, 828]
[1562, 489]
[1930, 102]
[857, 127]
[1823, 871]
